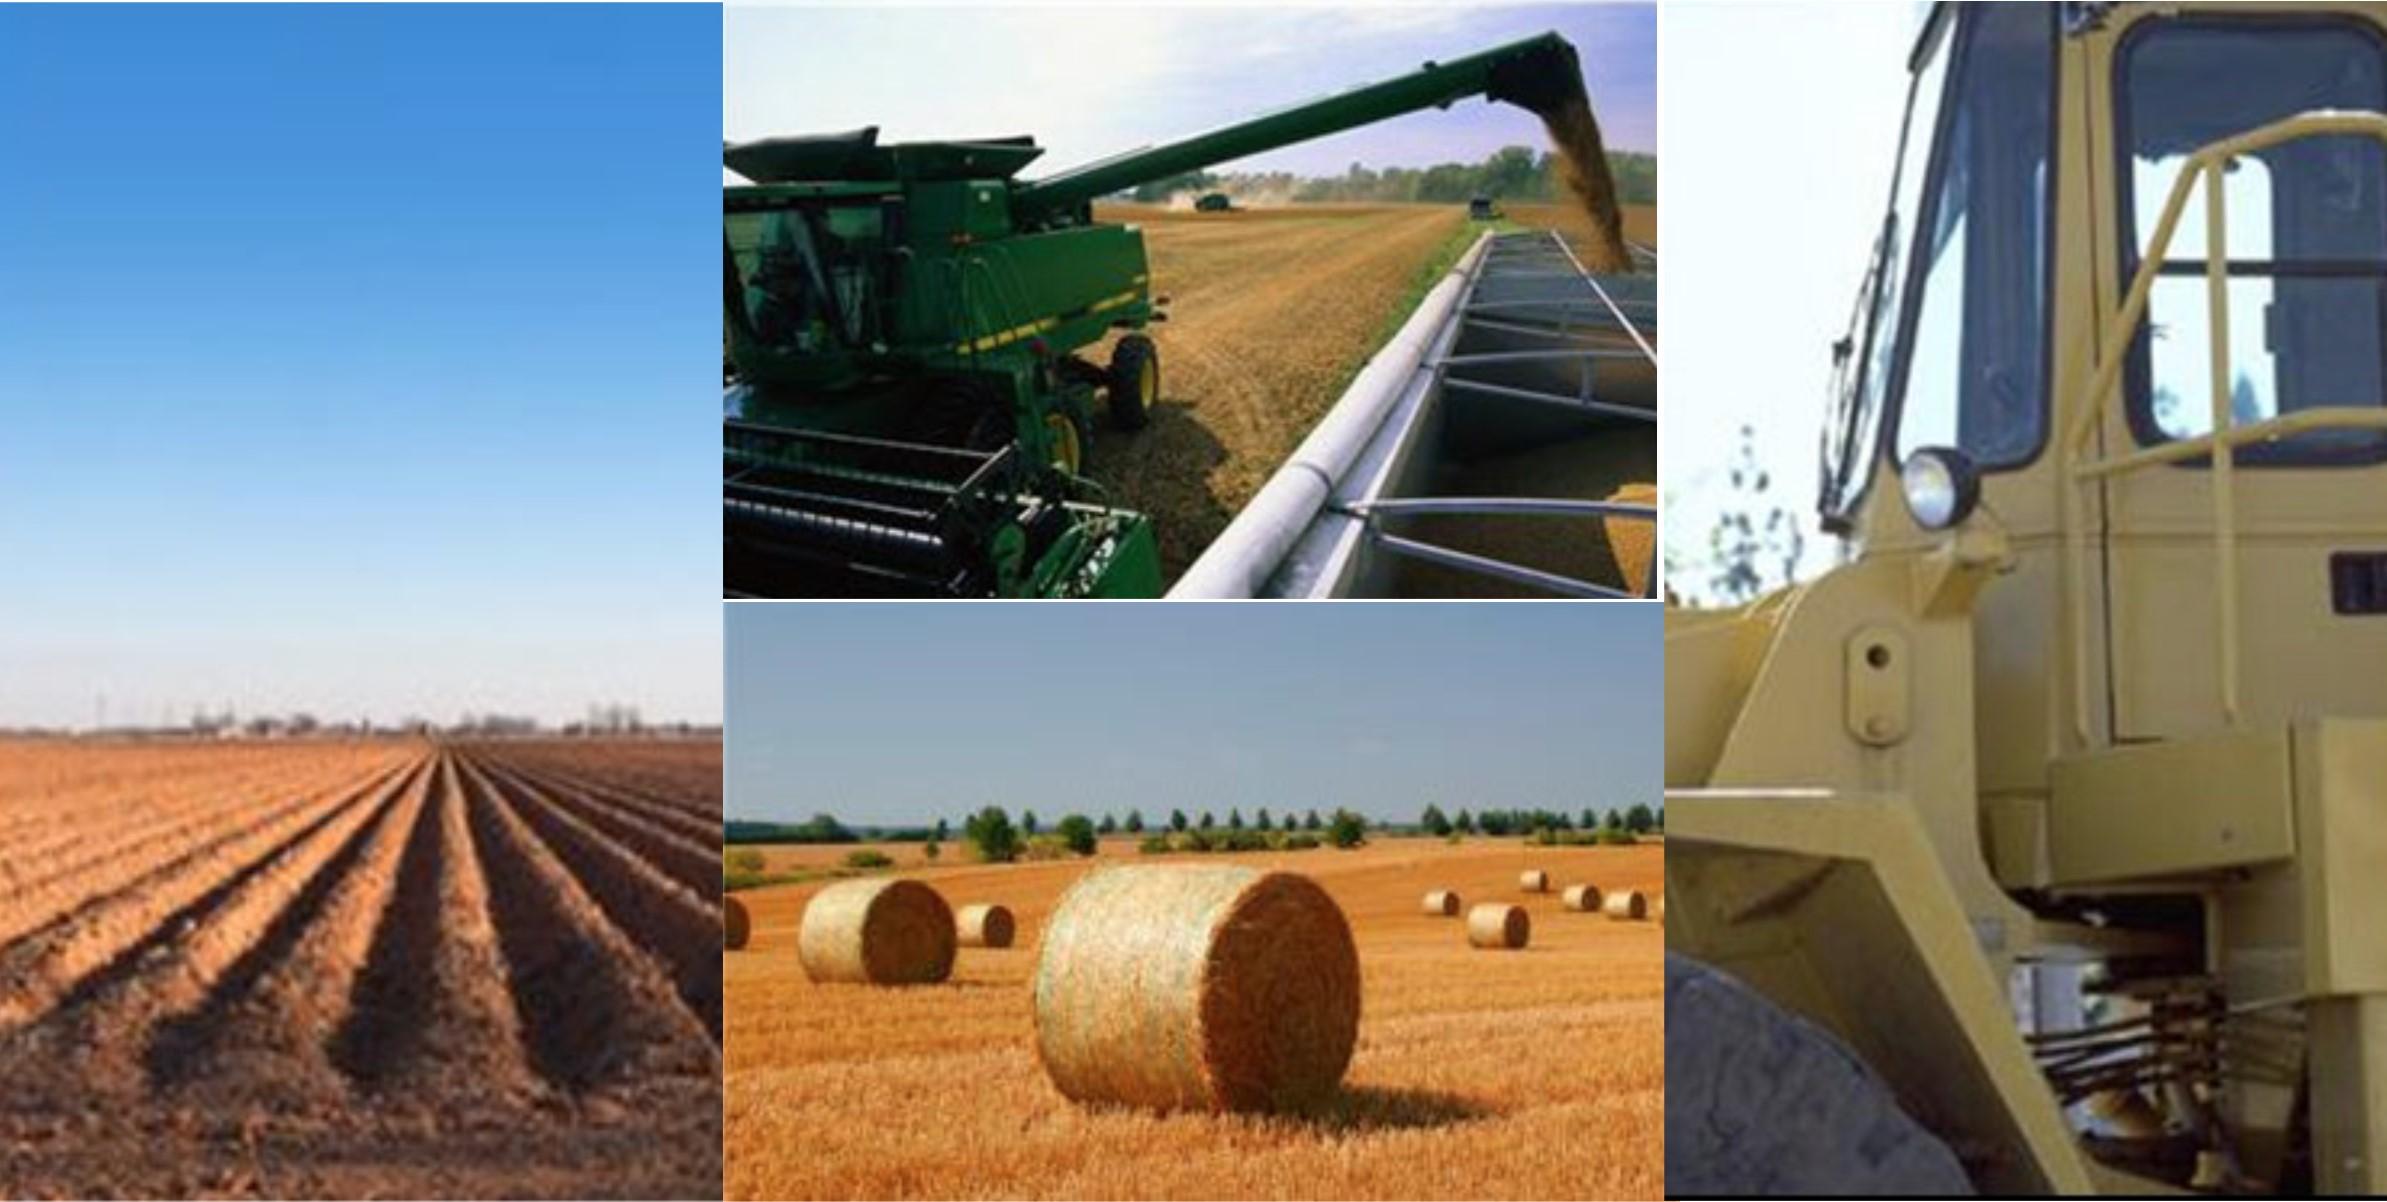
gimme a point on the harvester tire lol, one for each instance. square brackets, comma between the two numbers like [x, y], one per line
[1760, 1101]
[1134, 382]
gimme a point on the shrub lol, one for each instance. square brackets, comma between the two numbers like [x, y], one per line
[866, 858]
[1194, 840]
[991, 834]
[747, 860]
[1243, 840]
[1153, 845]
[1048, 847]
[1622, 838]
[1302, 841]
[1077, 833]
[931, 850]
[1347, 830]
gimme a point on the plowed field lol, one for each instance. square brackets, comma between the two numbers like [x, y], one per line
[1479, 1074]
[363, 968]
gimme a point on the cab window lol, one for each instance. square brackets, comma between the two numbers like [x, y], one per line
[2306, 237]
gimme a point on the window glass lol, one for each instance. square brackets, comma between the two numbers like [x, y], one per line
[1975, 347]
[2306, 235]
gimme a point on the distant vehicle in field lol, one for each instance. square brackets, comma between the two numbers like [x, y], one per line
[1482, 209]
[1213, 202]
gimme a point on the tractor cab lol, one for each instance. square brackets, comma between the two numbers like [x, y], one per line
[2137, 323]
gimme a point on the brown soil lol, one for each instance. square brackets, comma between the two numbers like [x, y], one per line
[1270, 312]
[365, 968]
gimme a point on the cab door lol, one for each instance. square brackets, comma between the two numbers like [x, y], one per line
[2306, 244]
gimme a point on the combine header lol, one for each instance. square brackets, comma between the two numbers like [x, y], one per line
[908, 409]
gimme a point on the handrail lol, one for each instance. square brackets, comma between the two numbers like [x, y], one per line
[2206, 165]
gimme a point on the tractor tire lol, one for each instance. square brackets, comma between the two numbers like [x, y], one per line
[1133, 382]
[1761, 1102]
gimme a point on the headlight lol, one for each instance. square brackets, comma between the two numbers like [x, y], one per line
[1942, 487]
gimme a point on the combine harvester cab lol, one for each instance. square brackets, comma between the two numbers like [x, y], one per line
[1502, 443]
[906, 410]
[2062, 804]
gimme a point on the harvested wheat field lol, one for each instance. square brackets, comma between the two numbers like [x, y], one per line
[1529, 1073]
[1270, 312]
[375, 967]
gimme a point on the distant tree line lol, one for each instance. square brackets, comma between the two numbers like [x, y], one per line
[1515, 173]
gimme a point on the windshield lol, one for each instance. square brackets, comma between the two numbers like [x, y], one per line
[1863, 357]
[801, 273]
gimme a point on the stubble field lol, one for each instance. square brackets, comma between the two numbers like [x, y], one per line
[1479, 1074]
[1271, 311]
[363, 968]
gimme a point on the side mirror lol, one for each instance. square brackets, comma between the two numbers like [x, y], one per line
[1942, 487]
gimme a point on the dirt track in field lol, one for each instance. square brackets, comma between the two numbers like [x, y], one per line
[366, 968]
[1530, 1074]
[1270, 310]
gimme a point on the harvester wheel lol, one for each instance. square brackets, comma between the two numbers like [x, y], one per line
[1068, 440]
[1134, 382]
[1760, 1101]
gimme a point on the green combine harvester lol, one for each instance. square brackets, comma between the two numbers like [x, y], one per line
[907, 410]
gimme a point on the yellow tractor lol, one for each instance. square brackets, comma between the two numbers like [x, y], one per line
[2042, 845]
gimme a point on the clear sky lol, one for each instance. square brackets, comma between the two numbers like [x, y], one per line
[1781, 127]
[1093, 81]
[358, 360]
[888, 714]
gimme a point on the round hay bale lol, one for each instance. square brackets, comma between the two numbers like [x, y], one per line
[1533, 880]
[985, 925]
[877, 932]
[1498, 925]
[735, 925]
[1585, 898]
[1181, 986]
[1442, 903]
[1626, 905]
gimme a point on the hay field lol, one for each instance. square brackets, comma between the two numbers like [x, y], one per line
[1479, 1074]
[364, 968]
[1640, 222]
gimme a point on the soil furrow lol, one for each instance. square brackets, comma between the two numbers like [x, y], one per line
[86, 948]
[678, 928]
[430, 1018]
[596, 1012]
[261, 1037]
[680, 817]
[90, 859]
[697, 866]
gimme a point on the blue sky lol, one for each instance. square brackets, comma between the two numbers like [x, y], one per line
[898, 713]
[357, 360]
[1094, 81]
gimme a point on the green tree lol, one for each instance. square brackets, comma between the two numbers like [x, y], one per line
[1347, 829]
[1613, 821]
[1135, 822]
[1235, 819]
[1591, 821]
[1177, 820]
[1207, 821]
[1262, 821]
[1107, 826]
[1466, 823]
[990, 832]
[1639, 819]
[1434, 821]
[944, 834]
[1311, 823]
[1027, 821]
[1077, 830]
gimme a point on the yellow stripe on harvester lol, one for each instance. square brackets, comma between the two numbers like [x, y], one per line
[1016, 333]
